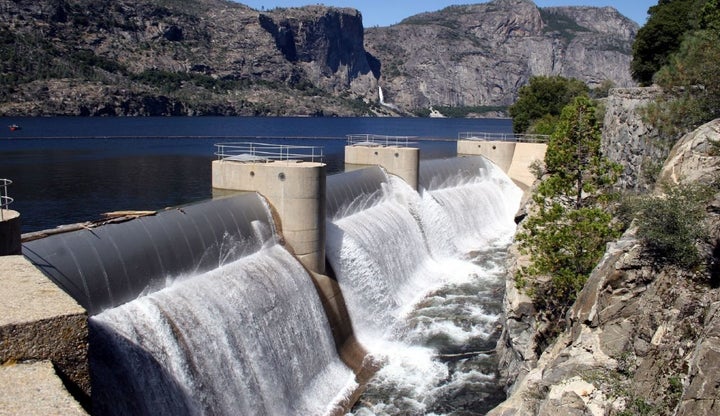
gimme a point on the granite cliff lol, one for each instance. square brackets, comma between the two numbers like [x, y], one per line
[200, 57]
[482, 54]
[172, 57]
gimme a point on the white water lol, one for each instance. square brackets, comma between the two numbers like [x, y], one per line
[423, 276]
[249, 338]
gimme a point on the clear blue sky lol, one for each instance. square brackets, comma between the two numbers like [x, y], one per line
[388, 12]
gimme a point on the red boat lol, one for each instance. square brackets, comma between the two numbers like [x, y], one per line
[14, 127]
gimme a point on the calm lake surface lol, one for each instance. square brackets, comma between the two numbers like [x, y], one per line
[69, 169]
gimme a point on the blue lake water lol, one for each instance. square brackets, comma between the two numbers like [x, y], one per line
[70, 169]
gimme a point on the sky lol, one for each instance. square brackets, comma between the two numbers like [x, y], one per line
[388, 12]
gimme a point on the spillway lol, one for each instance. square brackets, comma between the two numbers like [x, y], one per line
[198, 310]
[422, 276]
[201, 310]
[107, 266]
[249, 338]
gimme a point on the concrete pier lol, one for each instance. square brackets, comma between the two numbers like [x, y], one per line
[295, 189]
[499, 152]
[393, 153]
[514, 154]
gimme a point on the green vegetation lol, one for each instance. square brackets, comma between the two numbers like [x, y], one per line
[542, 100]
[560, 24]
[670, 225]
[661, 36]
[565, 235]
[679, 49]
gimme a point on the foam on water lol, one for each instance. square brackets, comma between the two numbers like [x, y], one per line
[431, 265]
[250, 337]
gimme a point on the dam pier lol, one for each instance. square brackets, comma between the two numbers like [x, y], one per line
[274, 294]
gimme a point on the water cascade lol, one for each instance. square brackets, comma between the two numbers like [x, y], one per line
[249, 338]
[422, 276]
[198, 310]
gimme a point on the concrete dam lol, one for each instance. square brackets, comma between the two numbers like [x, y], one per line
[288, 295]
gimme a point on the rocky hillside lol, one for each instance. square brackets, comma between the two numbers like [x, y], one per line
[198, 57]
[481, 54]
[642, 338]
[179, 57]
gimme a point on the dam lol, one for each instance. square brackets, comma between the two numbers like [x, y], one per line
[218, 307]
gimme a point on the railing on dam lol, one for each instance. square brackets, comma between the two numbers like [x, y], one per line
[264, 152]
[5, 200]
[504, 137]
[380, 140]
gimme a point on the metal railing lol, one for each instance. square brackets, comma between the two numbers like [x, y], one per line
[5, 200]
[264, 152]
[379, 140]
[505, 137]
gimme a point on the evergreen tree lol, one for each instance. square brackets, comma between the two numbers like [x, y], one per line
[566, 235]
[660, 37]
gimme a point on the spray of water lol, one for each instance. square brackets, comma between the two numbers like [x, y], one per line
[419, 300]
[250, 337]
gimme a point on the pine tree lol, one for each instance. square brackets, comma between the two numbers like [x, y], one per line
[566, 235]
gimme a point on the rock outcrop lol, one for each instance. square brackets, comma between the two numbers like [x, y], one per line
[219, 57]
[482, 54]
[629, 140]
[640, 337]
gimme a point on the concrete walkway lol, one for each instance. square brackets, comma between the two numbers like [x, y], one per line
[41, 329]
[34, 389]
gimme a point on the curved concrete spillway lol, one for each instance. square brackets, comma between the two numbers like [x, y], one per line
[109, 265]
[440, 173]
[351, 191]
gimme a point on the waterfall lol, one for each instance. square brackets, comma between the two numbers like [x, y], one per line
[380, 95]
[421, 274]
[250, 337]
[471, 209]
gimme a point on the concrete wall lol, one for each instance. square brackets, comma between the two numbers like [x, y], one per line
[10, 233]
[296, 190]
[525, 154]
[399, 161]
[514, 158]
[40, 322]
[498, 152]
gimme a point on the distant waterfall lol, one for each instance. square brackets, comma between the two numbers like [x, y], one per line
[422, 276]
[249, 338]
[381, 97]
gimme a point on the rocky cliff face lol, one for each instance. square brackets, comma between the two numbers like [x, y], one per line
[640, 339]
[630, 141]
[482, 54]
[175, 57]
[195, 57]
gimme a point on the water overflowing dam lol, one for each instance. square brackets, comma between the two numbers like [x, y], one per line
[203, 310]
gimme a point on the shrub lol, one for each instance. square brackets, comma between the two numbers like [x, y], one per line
[670, 226]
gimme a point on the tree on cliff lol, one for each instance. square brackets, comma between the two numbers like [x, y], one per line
[690, 79]
[566, 233]
[541, 101]
[661, 36]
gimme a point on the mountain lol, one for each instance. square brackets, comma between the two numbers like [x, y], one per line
[482, 54]
[216, 57]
